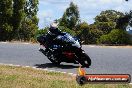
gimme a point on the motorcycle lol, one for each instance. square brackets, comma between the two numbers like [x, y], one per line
[63, 48]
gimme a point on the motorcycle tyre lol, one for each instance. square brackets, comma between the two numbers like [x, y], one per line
[85, 60]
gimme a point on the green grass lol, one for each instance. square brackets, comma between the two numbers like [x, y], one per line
[20, 77]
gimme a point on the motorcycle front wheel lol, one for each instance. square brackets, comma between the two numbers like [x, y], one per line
[85, 60]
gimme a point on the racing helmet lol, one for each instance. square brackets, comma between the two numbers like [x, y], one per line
[54, 25]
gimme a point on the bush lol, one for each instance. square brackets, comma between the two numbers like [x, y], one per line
[41, 32]
[104, 39]
[116, 36]
[119, 37]
[94, 35]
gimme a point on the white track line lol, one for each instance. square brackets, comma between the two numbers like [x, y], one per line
[4, 42]
[15, 42]
[25, 43]
[91, 46]
[38, 69]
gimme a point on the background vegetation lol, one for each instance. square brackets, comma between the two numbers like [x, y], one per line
[18, 21]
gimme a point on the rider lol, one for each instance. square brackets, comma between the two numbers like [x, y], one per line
[53, 33]
[54, 30]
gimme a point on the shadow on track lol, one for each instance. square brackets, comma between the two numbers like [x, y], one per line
[50, 65]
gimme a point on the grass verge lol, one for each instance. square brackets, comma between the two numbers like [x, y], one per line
[23, 77]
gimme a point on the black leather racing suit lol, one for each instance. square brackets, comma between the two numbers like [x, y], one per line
[52, 35]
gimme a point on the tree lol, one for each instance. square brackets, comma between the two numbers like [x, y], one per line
[82, 32]
[30, 22]
[70, 17]
[31, 8]
[108, 15]
[123, 22]
[5, 19]
[42, 31]
[107, 20]
[18, 16]
[18, 19]
[105, 27]
[130, 20]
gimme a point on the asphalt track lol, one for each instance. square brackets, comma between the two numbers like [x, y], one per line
[105, 60]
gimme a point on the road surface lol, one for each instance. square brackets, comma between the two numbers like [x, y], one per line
[104, 59]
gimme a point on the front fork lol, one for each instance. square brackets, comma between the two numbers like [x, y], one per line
[78, 55]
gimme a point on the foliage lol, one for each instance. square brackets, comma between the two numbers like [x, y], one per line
[107, 20]
[70, 17]
[6, 11]
[116, 36]
[64, 29]
[42, 31]
[130, 20]
[27, 30]
[104, 39]
[30, 23]
[18, 19]
[105, 27]
[18, 16]
[124, 21]
[94, 35]
[108, 15]
[119, 37]
[83, 25]
[31, 8]
[88, 33]
[82, 31]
